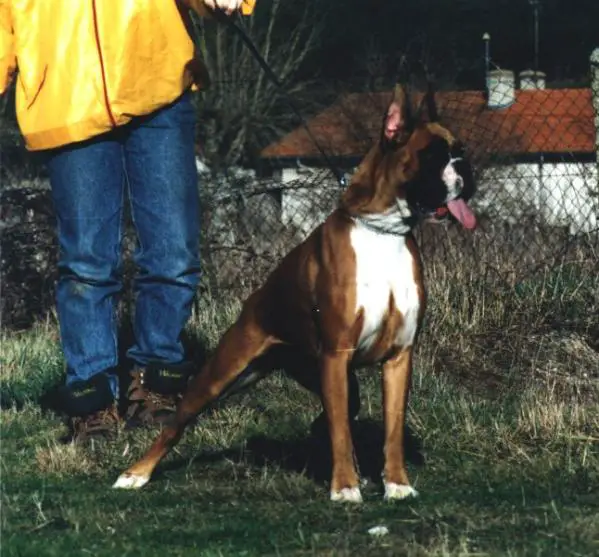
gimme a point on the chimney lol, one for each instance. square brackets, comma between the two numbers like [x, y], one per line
[530, 79]
[500, 88]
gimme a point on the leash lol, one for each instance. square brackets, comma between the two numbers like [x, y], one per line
[243, 35]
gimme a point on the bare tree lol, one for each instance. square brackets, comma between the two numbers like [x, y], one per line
[242, 110]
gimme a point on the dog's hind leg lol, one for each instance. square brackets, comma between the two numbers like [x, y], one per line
[305, 369]
[238, 347]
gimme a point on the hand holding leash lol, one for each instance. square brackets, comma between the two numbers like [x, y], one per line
[226, 6]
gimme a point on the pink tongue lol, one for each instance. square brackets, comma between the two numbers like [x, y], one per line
[462, 212]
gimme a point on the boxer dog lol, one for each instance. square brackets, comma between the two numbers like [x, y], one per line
[351, 294]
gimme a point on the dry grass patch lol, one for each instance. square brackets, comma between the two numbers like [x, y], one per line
[545, 416]
[493, 335]
[65, 459]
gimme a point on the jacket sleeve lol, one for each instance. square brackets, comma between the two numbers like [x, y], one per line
[247, 7]
[8, 61]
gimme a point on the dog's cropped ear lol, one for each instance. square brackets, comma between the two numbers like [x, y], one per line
[398, 119]
[427, 110]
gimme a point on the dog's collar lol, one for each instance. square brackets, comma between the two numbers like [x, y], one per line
[398, 220]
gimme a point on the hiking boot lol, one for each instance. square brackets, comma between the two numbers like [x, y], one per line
[102, 424]
[154, 392]
[89, 406]
[82, 398]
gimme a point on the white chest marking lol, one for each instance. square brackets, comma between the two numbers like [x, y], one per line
[384, 266]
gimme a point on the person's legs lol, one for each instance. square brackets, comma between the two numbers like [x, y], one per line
[87, 181]
[163, 192]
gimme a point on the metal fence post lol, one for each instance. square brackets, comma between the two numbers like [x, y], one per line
[595, 94]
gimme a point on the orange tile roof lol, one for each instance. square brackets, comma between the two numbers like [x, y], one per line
[539, 121]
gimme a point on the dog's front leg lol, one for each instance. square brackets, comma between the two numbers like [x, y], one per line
[344, 480]
[397, 374]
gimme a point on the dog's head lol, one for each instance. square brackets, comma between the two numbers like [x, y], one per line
[417, 168]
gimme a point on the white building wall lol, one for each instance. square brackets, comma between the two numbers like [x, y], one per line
[508, 192]
[554, 194]
[570, 196]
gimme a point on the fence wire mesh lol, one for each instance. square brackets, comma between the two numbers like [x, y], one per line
[534, 152]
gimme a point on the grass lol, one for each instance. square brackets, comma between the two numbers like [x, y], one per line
[504, 446]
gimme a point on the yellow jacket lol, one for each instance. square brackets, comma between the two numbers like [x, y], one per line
[86, 66]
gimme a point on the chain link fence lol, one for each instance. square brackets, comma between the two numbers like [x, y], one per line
[534, 156]
[533, 149]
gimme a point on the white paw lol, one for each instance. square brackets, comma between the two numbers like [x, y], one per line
[130, 481]
[395, 492]
[347, 495]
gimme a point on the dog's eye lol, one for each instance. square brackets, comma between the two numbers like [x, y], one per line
[436, 150]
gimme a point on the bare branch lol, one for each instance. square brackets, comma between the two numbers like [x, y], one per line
[243, 110]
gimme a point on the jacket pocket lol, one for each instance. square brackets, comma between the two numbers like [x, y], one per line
[31, 87]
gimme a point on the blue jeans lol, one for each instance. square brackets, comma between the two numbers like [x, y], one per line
[151, 163]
